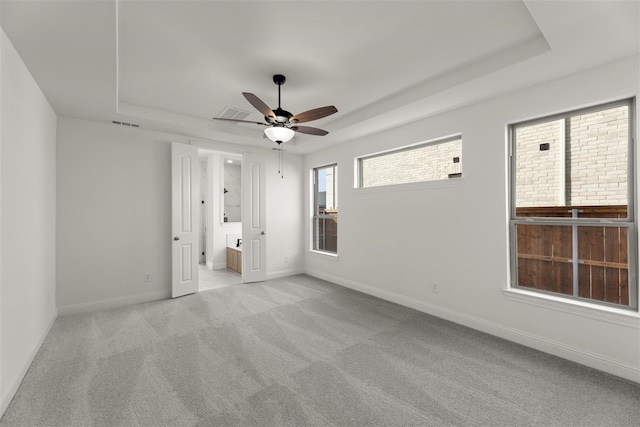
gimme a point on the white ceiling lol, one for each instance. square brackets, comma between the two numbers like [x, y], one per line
[173, 65]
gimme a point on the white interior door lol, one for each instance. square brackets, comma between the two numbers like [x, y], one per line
[184, 219]
[254, 254]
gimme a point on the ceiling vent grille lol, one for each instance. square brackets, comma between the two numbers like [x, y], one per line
[131, 125]
[233, 113]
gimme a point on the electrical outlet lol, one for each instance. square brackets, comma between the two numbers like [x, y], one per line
[147, 277]
[286, 259]
[435, 288]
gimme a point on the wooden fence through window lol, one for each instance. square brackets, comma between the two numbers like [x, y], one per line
[327, 231]
[546, 253]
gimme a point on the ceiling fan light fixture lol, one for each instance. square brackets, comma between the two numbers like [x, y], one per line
[279, 133]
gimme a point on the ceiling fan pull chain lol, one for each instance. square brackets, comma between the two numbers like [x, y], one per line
[280, 160]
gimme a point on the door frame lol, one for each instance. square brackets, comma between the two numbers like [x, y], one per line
[215, 203]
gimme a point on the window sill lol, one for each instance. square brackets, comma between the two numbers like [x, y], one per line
[424, 185]
[614, 315]
[324, 255]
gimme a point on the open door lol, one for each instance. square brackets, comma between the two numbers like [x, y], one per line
[184, 220]
[254, 254]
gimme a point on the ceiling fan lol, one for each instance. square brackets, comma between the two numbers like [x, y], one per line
[282, 125]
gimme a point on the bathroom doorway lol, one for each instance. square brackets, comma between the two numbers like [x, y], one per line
[220, 224]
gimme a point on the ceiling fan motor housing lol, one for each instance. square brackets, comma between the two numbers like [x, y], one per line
[282, 116]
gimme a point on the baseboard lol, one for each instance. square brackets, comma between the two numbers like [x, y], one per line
[112, 303]
[8, 396]
[284, 273]
[217, 265]
[574, 354]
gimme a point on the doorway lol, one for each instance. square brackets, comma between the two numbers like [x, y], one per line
[187, 192]
[220, 223]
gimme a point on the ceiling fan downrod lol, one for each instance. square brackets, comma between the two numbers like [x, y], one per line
[279, 79]
[282, 116]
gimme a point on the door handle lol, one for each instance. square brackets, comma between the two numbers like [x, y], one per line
[176, 238]
[263, 233]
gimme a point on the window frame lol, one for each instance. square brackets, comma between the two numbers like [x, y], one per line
[421, 144]
[630, 222]
[315, 215]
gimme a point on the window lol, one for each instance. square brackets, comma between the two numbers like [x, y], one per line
[572, 220]
[325, 209]
[427, 161]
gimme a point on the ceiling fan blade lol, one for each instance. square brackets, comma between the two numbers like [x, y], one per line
[309, 130]
[259, 105]
[315, 114]
[240, 121]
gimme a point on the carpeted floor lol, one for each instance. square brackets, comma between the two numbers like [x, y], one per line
[300, 351]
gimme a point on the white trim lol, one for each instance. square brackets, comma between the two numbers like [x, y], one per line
[8, 396]
[604, 313]
[578, 355]
[217, 265]
[87, 307]
[324, 255]
[284, 273]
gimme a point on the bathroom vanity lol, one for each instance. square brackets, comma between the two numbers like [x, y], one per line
[234, 259]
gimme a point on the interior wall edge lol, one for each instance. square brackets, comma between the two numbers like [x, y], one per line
[564, 351]
[6, 399]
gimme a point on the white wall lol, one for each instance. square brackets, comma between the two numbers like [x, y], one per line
[285, 215]
[113, 215]
[28, 232]
[114, 193]
[397, 244]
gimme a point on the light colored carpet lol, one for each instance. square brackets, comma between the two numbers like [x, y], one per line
[300, 351]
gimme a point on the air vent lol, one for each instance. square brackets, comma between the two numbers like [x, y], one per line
[131, 125]
[233, 113]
